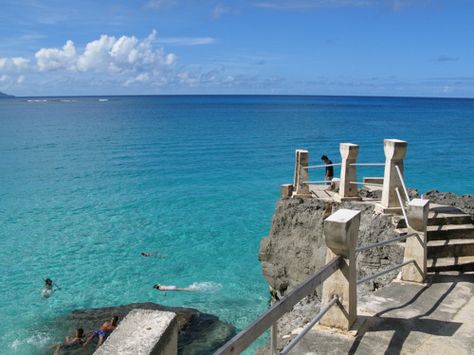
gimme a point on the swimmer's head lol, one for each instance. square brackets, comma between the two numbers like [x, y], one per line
[79, 332]
[114, 320]
[48, 281]
[157, 286]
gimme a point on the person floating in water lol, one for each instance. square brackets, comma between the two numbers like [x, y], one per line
[48, 287]
[70, 343]
[103, 332]
[172, 288]
[152, 255]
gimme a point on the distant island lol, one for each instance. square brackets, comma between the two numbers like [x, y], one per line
[3, 95]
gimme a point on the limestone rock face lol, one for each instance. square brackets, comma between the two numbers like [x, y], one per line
[295, 247]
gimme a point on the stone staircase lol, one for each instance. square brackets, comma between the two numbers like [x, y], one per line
[450, 239]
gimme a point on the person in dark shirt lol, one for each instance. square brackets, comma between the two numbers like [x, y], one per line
[329, 174]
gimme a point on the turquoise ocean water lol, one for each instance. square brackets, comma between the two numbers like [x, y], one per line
[88, 184]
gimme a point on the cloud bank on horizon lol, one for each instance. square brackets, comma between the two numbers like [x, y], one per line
[351, 47]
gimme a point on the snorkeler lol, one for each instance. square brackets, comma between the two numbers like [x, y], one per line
[172, 288]
[70, 342]
[47, 289]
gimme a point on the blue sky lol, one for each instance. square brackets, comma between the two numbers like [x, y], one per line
[312, 47]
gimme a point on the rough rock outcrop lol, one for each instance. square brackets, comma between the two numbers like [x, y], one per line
[200, 333]
[295, 247]
[464, 202]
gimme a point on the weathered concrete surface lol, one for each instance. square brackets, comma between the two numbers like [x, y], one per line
[143, 332]
[464, 202]
[405, 318]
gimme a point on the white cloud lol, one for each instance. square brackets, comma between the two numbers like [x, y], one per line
[159, 4]
[107, 54]
[218, 11]
[56, 59]
[294, 5]
[15, 64]
[186, 41]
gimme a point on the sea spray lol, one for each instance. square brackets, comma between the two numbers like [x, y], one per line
[207, 286]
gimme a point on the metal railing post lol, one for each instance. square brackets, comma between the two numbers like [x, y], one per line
[340, 231]
[273, 339]
[415, 248]
[300, 185]
[395, 151]
[349, 152]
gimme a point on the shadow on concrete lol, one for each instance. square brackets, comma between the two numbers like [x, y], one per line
[402, 327]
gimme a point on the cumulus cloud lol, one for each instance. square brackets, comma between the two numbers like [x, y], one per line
[107, 54]
[14, 64]
[55, 59]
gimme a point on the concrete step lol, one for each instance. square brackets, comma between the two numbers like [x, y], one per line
[448, 231]
[450, 247]
[462, 263]
[441, 215]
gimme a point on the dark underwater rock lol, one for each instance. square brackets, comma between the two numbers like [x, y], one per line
[200, 333]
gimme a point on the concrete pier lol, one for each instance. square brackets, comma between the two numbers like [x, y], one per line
[348, 190]
[395, 151]
[415, 247]
[143, 332]
[300, 185]
[340, 231]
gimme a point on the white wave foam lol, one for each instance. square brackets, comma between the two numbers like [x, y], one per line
[207, 286]
[38, 340]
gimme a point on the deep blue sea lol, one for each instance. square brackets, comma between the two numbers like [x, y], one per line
[88, 183]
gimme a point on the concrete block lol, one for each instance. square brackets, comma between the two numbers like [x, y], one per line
[143, 332]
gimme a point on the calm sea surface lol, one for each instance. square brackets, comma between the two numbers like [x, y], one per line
[88, 184]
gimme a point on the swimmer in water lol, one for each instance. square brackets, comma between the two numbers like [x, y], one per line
[103, 332]
[47, 289]
[172, 288]
[152, 255]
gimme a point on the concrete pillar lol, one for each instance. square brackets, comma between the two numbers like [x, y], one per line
[340, 231]
[143, 332]
[395, 151]
[300, 187]
[348, 191]
[415, 247]
[286, 190]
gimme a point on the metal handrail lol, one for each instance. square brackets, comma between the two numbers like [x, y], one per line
[385, 242]
[321, 166]
[384, 271]
[310, 325]
[364, 183]
[247, 336]
[403, 182]
[400, 201]
[367, 164]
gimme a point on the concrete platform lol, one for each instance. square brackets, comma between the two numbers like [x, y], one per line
[143, 332]
[404, 318]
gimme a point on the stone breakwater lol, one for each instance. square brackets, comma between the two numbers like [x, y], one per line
[295, 248]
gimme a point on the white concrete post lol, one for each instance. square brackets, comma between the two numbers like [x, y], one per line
[340, 231]
[415, 247]
[348, 191]
[395, 151]
[300, 187]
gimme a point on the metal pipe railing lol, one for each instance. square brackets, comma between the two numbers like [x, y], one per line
[384, 271]
[321, 166]
[403, 182]
[247, 336]
[400, 201]
[310, 325]
[385, 242]
[364, 183]
[367, 164]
